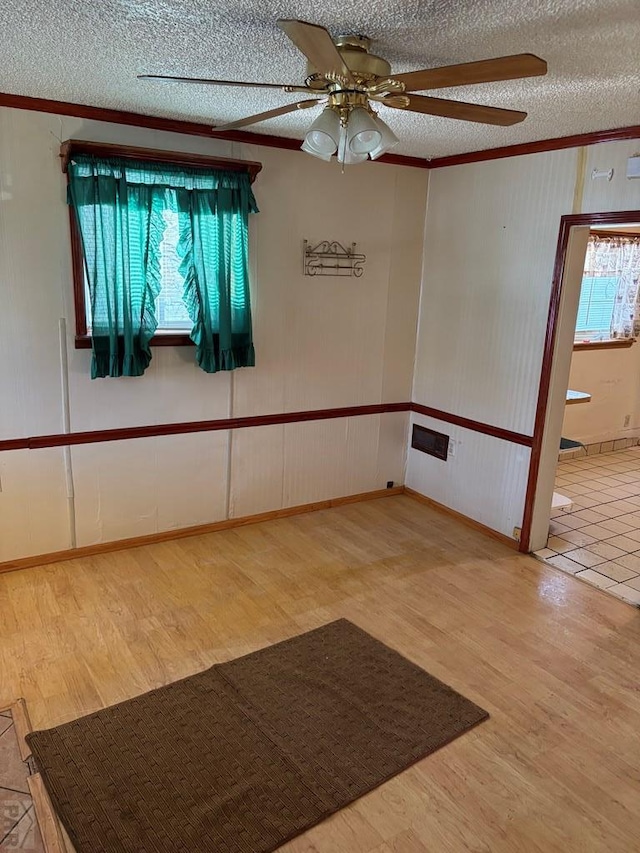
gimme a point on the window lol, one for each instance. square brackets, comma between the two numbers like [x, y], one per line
[597, 297]
[160, 252]
[170, 309]
[609, 296]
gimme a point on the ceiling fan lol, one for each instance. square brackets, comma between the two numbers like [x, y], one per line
[344, 76]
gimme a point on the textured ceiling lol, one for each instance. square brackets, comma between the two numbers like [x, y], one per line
[90, 53]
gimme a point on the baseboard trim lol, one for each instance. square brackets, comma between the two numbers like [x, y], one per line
[469, 522]
[230, 523]
[185, 532]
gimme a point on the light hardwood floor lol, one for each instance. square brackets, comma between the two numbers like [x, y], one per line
[554, 661]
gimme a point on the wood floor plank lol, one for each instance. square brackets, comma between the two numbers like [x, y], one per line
[554, 661]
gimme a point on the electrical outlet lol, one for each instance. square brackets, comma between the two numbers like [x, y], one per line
[517, 533]
[627, 420]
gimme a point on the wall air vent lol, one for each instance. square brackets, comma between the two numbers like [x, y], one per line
[429, 441]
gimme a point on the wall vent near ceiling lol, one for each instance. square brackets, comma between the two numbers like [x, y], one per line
[429, 441]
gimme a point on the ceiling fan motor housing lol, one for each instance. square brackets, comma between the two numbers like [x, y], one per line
[365, 67]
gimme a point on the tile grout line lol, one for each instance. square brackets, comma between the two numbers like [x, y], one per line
[630, 464]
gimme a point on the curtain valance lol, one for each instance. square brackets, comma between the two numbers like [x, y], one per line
[139, 172]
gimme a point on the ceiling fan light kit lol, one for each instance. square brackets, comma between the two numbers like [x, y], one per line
[346, 156]
[324, 134]
[309, 150]
[353, 135]
[362, 134]
[388, 140]
[344, 76]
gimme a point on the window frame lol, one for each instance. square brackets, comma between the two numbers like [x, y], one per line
[609, 343]
[152, 155]
[594, 333]
[604, 343]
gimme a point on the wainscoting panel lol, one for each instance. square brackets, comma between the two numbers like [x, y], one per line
[467, 481]
[134, 488]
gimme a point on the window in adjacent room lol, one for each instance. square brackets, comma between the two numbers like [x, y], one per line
[609, 307]
[160, 256]
[597, 297]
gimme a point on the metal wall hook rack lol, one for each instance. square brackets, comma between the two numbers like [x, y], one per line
[328, 257]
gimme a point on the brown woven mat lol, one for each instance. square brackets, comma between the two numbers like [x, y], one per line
[246, 755]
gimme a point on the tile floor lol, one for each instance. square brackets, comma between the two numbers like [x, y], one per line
[598, 538]
[18, 827]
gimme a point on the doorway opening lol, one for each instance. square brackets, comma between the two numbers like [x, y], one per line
[583, 502]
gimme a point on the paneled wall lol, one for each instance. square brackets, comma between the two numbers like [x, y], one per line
[466, 481]
[482, 271]
[320, 343]
[490, 245]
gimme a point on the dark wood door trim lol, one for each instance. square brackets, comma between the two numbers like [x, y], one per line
[567, 222]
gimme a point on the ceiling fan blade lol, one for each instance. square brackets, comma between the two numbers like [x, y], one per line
[168, 79]
[316, 44]
[484, 71]
[459, 110]
[279, 111]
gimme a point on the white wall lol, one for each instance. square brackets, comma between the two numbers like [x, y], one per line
[320, 343]
[612, 377]
[489, 248]
[491, 235]
[465, 482]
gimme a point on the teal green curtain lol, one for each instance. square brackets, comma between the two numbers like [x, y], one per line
[214, 248]
[121, 228]
[119, 205]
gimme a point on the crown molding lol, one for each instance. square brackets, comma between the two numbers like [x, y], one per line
[576, 141]
[190, 128]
